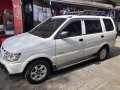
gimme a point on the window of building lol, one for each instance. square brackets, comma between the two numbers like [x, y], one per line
[108, 24]
[1, 20]
[93, 26]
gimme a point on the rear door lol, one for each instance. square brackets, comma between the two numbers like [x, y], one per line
[93, 35]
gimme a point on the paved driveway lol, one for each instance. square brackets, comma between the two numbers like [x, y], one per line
[91, 75]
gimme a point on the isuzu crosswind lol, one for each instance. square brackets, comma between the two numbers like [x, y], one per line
[57, 43]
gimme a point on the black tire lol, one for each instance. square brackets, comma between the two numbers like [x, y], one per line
[32, 66]
[103, 49]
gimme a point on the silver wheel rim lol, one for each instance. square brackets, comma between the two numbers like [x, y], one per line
[103, 54]
[38, 72]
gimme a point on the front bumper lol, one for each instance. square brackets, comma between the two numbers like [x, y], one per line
[11, 67]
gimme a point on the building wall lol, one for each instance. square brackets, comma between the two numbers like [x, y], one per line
[17, 12]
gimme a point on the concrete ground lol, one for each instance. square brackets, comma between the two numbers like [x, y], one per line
[91, 75]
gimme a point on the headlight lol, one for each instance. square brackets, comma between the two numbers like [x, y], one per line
[11, 57]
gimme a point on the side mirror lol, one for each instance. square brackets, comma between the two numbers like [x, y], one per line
[63, 34]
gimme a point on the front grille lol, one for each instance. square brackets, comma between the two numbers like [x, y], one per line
[2, 51]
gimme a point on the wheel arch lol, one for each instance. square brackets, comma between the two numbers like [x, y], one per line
[105, 45]
[36, 59]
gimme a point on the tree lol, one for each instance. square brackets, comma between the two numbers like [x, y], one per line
[116, 1]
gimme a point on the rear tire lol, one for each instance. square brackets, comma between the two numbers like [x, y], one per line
[103, 53]
[37, 72]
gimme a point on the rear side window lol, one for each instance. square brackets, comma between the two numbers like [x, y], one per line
[93, 26]
[108, 24]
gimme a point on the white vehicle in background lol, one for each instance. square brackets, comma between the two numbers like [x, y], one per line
[57, 43]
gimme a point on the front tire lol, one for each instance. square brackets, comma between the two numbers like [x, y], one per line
[103, 53]
[37, 72]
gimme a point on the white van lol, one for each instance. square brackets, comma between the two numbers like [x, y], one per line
[57, 43]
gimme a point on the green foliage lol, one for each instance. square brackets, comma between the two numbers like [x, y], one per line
[116, 1]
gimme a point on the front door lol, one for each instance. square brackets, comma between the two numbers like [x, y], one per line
[72, 47]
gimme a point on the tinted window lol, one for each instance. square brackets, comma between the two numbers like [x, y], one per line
[73, 29]
[93, 26]
[108, 24]
[47, 28]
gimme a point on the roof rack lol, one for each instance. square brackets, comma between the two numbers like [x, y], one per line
[87, 12]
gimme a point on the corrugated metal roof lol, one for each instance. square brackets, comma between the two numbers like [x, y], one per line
[87, 3]
[117, 8]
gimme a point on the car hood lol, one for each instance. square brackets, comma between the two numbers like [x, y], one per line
[23, 43]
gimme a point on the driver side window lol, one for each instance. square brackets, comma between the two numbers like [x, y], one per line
[73, 29]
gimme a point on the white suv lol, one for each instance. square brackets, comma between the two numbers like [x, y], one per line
[57, 43]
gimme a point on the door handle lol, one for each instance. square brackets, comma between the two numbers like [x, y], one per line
[80, 40]
[102, 36]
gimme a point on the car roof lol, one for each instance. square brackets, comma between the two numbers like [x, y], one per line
[80, 16]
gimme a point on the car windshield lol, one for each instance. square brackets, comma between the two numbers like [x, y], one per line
[47, 28]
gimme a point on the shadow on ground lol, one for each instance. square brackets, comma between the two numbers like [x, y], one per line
[18, 82]
[114, 52]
